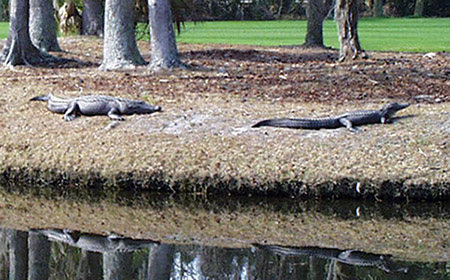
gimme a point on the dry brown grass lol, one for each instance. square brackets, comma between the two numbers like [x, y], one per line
[203, 142]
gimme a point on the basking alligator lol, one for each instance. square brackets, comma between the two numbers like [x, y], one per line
[348, 120]
[92, 105]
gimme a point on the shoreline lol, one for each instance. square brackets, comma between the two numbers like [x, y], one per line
[405, 160]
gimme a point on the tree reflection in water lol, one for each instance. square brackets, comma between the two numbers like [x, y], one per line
[65, 254]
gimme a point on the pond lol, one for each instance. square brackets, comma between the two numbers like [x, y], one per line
[156, 236]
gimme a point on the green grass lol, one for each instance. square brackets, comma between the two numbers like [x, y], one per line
[4, 27]
[380, 34]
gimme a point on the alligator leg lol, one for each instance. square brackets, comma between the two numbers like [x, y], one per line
[348, 124]
[72, 112]
[113, 115]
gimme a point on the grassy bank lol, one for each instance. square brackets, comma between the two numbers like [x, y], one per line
[203, 142]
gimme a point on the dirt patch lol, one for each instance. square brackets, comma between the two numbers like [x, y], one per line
[203, 140]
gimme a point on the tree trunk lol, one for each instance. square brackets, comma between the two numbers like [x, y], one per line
[378, 8]
[117, 266]
[316, 11]
[119, 45]
[419, 7]
[39, 256]
[90, 266]
[347, 25]
[43, 25]
[160, 261]
[92, 18]
[19, 49]
[2, 18]
[18, 254]
[164, 47]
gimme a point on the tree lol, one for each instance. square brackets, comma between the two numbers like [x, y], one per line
[119, 46]
[39, 256]
[378, 8]
[90, 266]
[117, 265]
[43, 25]
[316, 11]
[19, 48]
[93, 18]
[163, 44]
[18, 254]
[419, 8]
[160, 261]
[346, 15]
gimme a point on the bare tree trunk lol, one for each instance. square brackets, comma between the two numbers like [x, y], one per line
[89, 267]
[39, 256]
[43, 25]
[419, 7]
[378, 8]
[316, 11]
[164, 47]
[347, 25]
[4, 268]
[117, 266]
[120, 48]
[160, 261]
[19, 49]
[93, 18]
[18, 254]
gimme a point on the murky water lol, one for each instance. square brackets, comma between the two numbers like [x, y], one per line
[36, 243]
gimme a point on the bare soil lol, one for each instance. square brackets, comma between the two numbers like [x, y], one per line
[203, 141]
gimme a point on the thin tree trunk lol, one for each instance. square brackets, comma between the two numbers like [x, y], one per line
[160, 261]
[120, 48]
[90, 266]
[117, 266]
[419, 7]
[93, 18]
[19, 49]
[163, 44]
[347, 25]
[43, 25]
[378, 8]
[18, 254]
[39, 256]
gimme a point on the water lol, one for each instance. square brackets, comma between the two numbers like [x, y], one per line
[150, 236]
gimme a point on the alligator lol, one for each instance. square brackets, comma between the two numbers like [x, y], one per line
[91, 105]
[348, 120]
[350, 257]
[96, 243]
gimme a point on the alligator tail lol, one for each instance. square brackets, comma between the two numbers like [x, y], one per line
[289, 123]
[41, 98]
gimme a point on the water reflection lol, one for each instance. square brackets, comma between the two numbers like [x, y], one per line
[65, 254]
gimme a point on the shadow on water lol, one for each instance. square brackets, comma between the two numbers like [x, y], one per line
[65, 254]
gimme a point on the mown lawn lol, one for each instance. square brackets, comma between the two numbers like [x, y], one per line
[385, 34]
[380, 34]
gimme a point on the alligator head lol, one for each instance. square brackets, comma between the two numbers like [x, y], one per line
[130, 107]
[390, 109]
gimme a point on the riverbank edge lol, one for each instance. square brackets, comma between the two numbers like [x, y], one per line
[32, 180]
